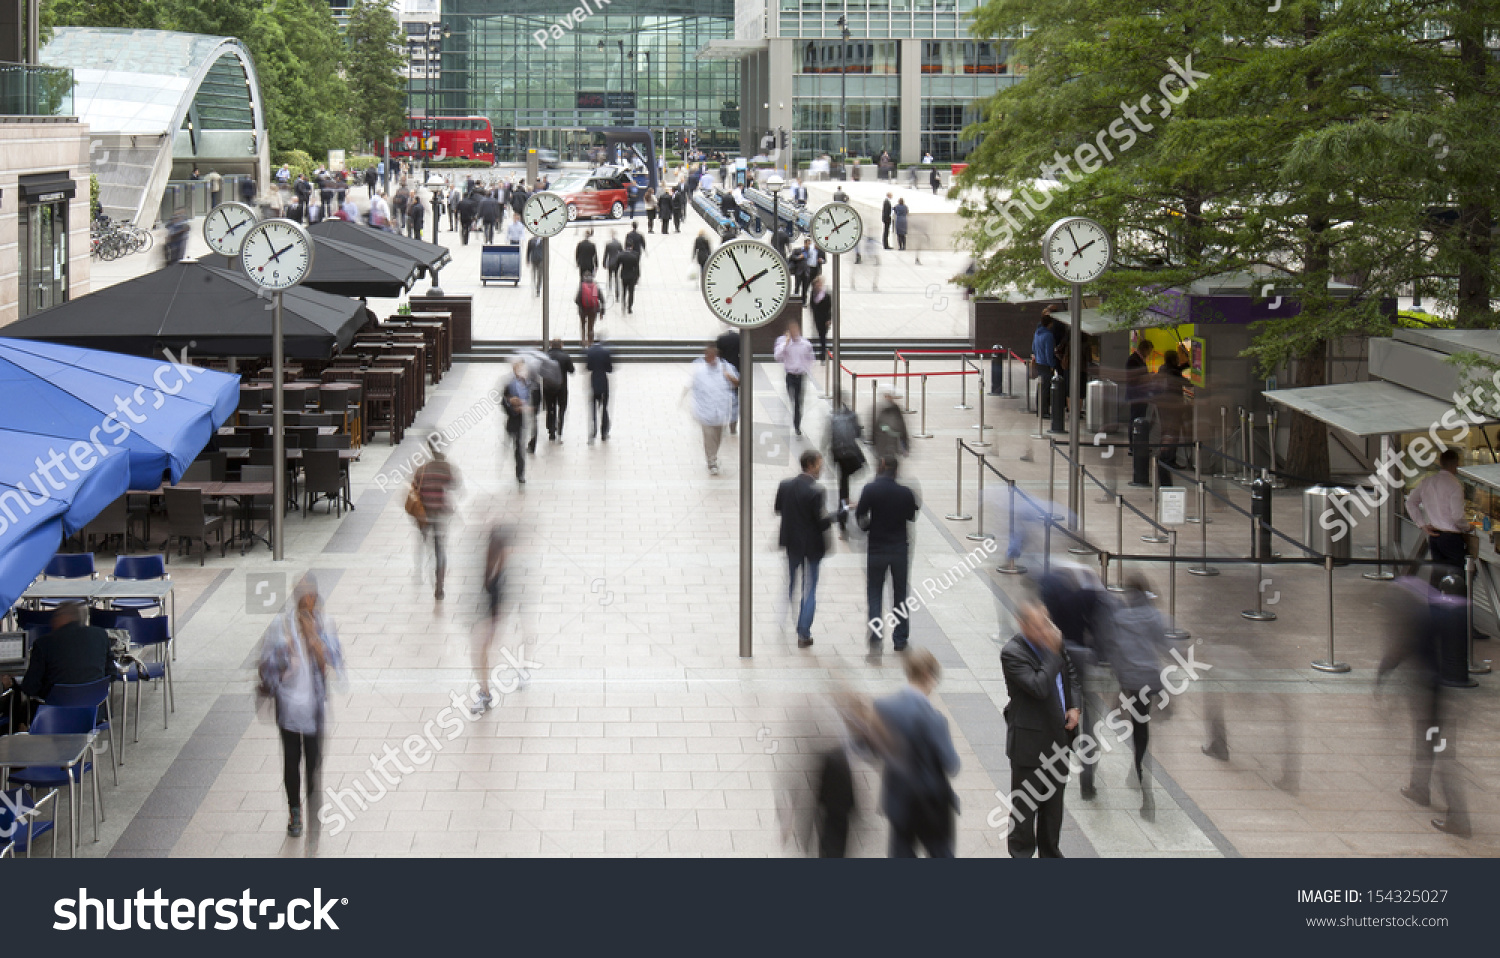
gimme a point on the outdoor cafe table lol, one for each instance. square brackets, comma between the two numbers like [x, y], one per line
[52, 751]
[95, 590]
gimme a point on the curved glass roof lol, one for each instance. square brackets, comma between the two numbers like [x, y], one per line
[141, 81]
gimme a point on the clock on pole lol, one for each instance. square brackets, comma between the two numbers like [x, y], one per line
[224, 229]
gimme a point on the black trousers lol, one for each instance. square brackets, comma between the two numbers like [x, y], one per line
[518, 440]
[557, 408]
[468, 225]
[794, 382]
[1038, 823]
[897, 564]
[1449, 552]
[295, 747]
[901, 240]
[599, 409]
[932, 830]
[885, 236]
[629, 294]
[489, 231]
[821, 325]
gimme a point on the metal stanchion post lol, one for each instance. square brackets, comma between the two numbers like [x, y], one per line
[963, 384]
[1204, 568]
[1331, 664]
[1010, 374]
[908, 410]
[1382, 514]
[924, 434]
[875, 408]
[1009, 566]
[1259, 613]
[1051, 473]
[1470, 568]
[1155, 535]
[982, 443]
[1175, 633]
[1247, 446]
[978, 533]
[1119, 585]
[1202, 515]
[1081, 548]
[1271, 445]
[958, 514]
[1223, 441]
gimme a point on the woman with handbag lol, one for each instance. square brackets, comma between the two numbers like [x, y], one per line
[298, 652]
[429, 504]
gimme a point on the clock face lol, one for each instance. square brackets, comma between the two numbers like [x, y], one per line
[746, 283]
[545, 214]
[1077, 250]
[836, 228]
[277, 254]
[224, 229]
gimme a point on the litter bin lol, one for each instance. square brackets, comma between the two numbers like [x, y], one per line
[1317, 503]
[1103, 405]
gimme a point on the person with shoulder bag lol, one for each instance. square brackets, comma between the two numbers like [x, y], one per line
[432, 485]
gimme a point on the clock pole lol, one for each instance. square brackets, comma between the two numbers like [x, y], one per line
[546, 289]
[278, 433]
[1076, 363]
[747, 489]
[838, 310]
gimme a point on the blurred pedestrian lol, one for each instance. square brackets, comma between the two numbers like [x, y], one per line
[634, 241]
[679, 208]
[586, 254]
[899, 214]
[934, 180]
[215, 188]
[795, 354]
[600, 363]
[536, 256]
[1041, 721]
[885, 511]
[1135, 639]
[1078, 604]
[1437, 507]
[489, 214]
[612, 251]
[701, 250]
[177, 238]
[915, 792]
[728, 345]
[651, 212]
[820, 304]
[516, 401]
[848, 456]
[713, 386]
[630, 274]
[887, 213]
[891, 438]
[416, 216]
[804, 528]
[495, 555]
[590, 304]
[299, 651]
[555, 397]
[468, 209]
[455, 196]
[433, 484]
[868, 258]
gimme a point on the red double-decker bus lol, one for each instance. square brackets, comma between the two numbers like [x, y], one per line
[445, 137]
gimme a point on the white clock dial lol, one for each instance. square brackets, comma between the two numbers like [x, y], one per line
[1077, 250]
[836, 228]
[224, 229]
[277, 254]
[545, 214]
[746, 283]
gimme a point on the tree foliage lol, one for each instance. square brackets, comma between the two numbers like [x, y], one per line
[1219, 137]
[376, 75]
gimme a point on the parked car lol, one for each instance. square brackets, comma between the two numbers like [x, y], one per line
[548, 159]
[591, 196]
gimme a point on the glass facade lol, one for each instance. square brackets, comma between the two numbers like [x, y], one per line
[543, 77]
[917, 19]
[43, 234]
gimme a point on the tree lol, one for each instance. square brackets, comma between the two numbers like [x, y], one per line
[219, 18]
[130, 14]
[299, 55]
[375, 70]
[1212, 138]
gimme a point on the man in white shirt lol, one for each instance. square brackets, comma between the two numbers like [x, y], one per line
[713, 387]
[795, 354]
[1437, 507]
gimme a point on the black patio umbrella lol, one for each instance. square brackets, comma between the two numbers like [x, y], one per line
[211, 311]
[350, 270]
[430, 256]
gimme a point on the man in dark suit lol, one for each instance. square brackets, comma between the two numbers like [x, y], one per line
[885, 220]
[555, 398]
[586, 254]
[1138, 379]
[1041, 721]
[489, 215]
[804, 529]
[915, 794]
[885, 509]
[71, 654]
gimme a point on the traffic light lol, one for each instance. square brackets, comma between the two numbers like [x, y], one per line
[781, 138]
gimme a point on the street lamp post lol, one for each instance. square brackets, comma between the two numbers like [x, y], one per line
[844, 98]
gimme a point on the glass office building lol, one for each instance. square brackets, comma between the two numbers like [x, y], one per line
[911, 75]
[544, 76]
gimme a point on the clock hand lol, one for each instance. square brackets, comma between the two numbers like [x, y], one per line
[737, 269]
[277, 256]
[1074, 239]
[752, 279]
[235, 226]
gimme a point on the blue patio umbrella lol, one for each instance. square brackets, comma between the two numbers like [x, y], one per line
[162, 414]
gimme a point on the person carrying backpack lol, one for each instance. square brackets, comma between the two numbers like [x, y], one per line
[590, 308]
[845, 451]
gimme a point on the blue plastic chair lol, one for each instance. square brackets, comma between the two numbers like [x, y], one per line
[109, 618]
[137, 568]
[20, 834]
[34, 619]
[67, 565]
[90, 695]
[50, 720]
[146, 633]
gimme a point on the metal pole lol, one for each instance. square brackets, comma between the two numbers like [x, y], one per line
[747, 491]
[1204, 568]
[1174, 633]
[907, 364]
[1051, 474]
[1010, 374]
[1331, 664]
[1271, 445]
[1083, 549]
[874, 412]
[1223, 441]
[1471, 569]
[1119, 585]
[1247, 446]
[1155, 534]
[1009, 567]
[963, 384]
[924, 434]
[278, 433]
[981, 442]
[1259, 614]
[1382, 514]
[978, 532]
[958, 514]
[838, 295]
[1076, 365]
[547, 291]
